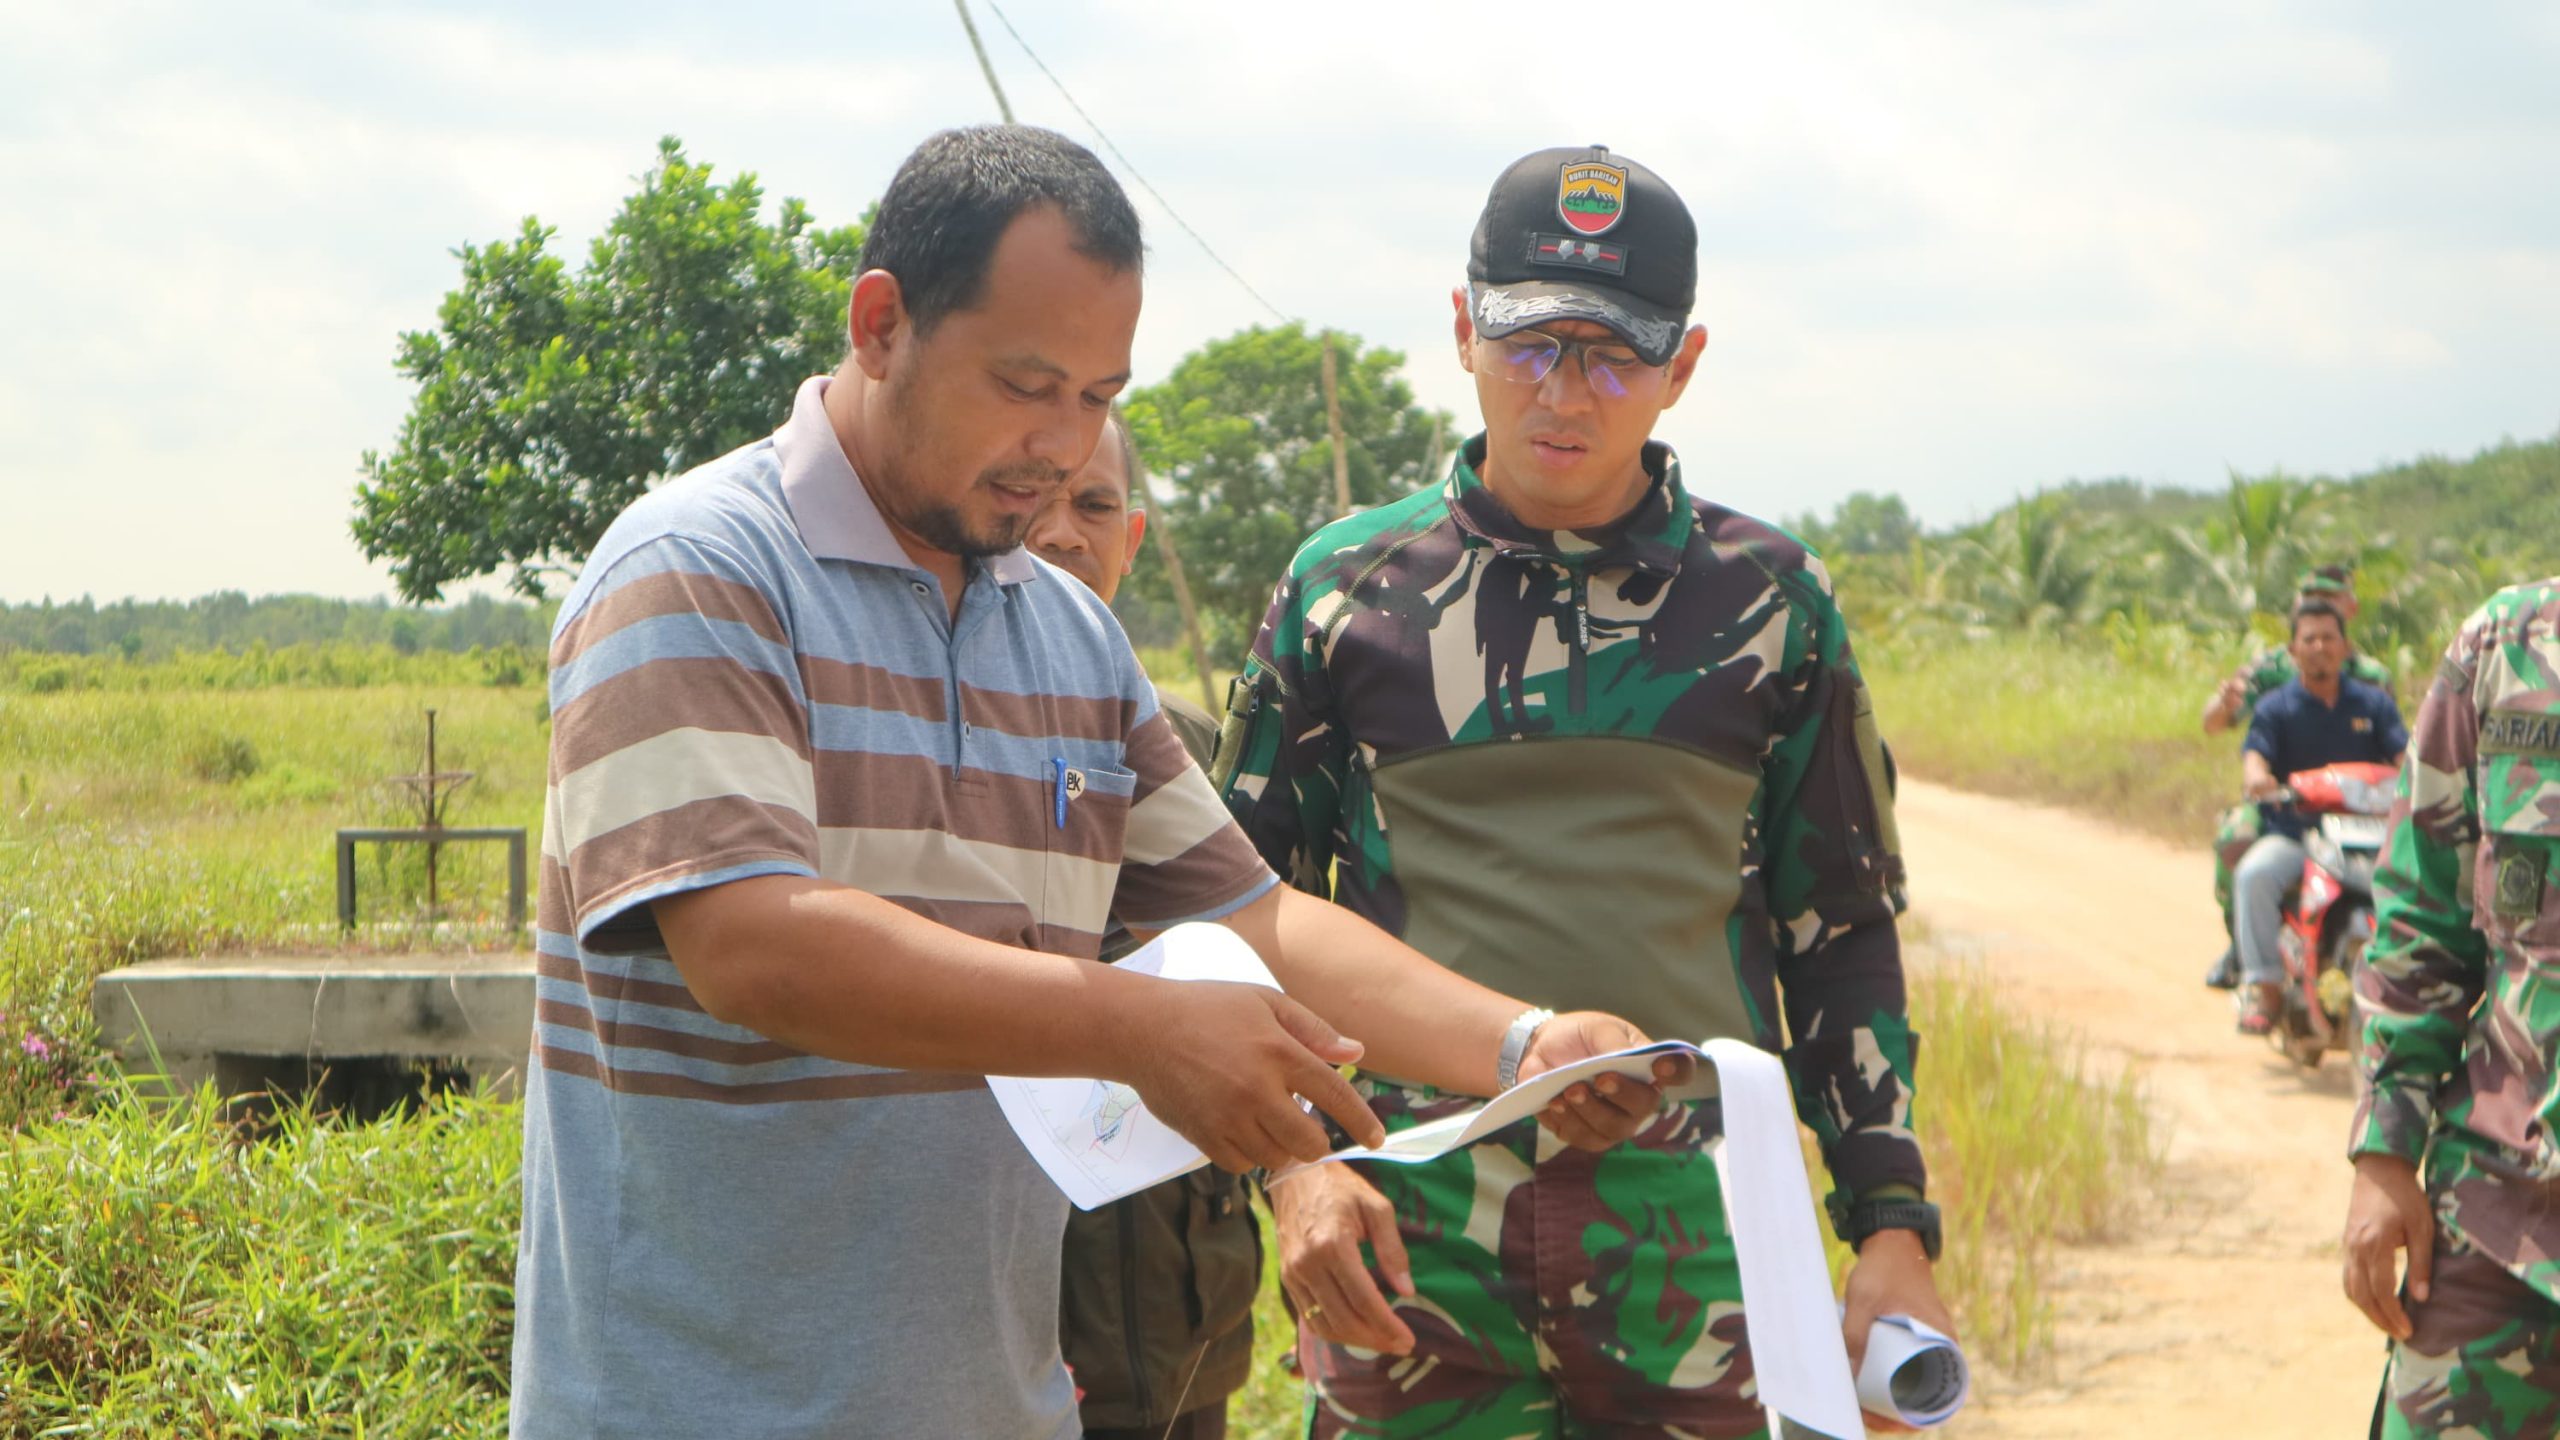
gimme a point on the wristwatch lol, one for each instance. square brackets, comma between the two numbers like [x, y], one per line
[1854, 1220]
[1515, 1045]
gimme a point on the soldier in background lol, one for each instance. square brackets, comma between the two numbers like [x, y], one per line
[2461, 1039]
[1155, 1302]
[2233, 702]
[1556, 721]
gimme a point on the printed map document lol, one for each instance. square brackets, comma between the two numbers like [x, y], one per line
[1094, 1138]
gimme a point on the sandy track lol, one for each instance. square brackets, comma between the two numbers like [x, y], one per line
[2221, 1317]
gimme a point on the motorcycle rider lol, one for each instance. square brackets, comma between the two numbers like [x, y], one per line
[2232, 702]
[2320, 717]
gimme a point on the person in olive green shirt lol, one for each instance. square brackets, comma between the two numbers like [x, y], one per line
[2232, 702]
[1155, 1300]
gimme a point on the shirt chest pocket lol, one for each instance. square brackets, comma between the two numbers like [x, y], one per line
[1087, 825]
[2516, 882]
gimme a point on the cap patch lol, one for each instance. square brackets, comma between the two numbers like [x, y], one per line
[1591, 197]
[1564, 250]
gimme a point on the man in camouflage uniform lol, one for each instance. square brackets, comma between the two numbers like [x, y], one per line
[1566, 729]
[1155, 1300]
[2233, 701]
[2461, 1039]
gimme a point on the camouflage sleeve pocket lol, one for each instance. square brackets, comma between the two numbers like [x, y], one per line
[2514, 879]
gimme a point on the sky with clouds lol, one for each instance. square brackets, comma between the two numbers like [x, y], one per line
[1957, 251]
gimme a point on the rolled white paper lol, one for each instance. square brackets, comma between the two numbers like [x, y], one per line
[1912, 1373]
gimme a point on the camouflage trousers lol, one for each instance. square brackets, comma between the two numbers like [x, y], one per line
[1559, 1293]
[2483, 1362]
[2238, 829]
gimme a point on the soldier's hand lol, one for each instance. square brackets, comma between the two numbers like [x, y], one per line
[1891, 1276]
[1223, 1064]
[1324, 1214]
[2387, 1212]
[1608, 1109]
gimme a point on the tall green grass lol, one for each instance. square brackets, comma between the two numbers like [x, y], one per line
[158, 1277]
[333, 665]
[2107, 728]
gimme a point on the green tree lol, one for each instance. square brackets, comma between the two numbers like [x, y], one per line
[1243, 462]
[1864, 523]
[547, 401]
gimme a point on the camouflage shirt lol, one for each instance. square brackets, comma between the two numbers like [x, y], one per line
[1631, 769]
[2273, 666]
[2462, 1021]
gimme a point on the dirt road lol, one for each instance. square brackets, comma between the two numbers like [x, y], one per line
[2222, 1317]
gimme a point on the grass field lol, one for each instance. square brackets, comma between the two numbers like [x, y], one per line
[159, 1277]
[2106, 729]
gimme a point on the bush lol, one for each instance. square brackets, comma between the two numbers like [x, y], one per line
[223, 759]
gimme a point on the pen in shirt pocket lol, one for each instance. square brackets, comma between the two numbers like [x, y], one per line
[1058, 787]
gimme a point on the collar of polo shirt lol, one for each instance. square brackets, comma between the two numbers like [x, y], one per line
[832, 509]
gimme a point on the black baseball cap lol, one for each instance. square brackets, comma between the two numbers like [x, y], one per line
[1580, 234]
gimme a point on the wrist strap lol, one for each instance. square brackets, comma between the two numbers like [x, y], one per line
[1515, 1046]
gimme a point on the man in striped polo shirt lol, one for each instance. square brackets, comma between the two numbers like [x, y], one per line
[844, 790]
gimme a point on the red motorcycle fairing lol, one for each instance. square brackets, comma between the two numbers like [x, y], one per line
[2350, 787]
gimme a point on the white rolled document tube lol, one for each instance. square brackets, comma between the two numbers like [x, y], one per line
[1912, 1373]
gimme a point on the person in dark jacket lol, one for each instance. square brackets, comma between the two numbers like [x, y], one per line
[1155, 1300]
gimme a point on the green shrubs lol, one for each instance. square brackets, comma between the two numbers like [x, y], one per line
[158, 1277]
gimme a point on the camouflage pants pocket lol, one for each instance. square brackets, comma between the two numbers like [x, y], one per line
[1560, 1295]
[2483, 1363]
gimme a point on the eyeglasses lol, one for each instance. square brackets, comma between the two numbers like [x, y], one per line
[1529, 356]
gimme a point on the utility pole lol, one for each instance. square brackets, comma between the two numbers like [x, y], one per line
[1333, 422]
[1431, 474]
[1002, 107]
[1160, 525]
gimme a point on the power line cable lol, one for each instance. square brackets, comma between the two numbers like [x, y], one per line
[1096, 127]
[985, 67]
[1359, 443]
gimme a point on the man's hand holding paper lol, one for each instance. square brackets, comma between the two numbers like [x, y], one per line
[1608, 1109]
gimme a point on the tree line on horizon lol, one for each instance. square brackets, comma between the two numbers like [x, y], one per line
[2161, 568]
[232, 621]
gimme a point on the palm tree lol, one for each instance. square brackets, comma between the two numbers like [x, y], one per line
[2247, 560]
[2031, 568]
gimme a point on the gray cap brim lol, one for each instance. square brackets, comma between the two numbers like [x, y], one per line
[1500, 309]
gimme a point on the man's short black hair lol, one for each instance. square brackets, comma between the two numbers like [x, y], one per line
[948, 205]
[2305, 608]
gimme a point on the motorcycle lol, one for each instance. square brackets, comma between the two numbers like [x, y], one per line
[2328, 916]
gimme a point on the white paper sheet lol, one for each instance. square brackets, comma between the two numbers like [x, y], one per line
[1095, 1139]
